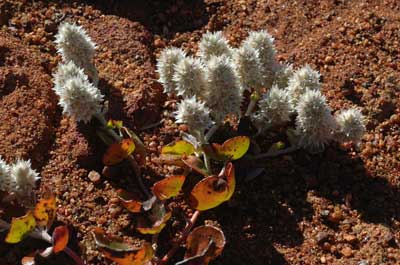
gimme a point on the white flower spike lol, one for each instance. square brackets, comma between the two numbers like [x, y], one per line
[194, 114]
[6, 182]
[80, 99]
[74, 44]
[282, 75]
[275, 107]
[248, 67]
[166, 67]
[314, 123]
[189, 77]
[351, 125]
[263, 42]
[303, 79]
[24, 178]
[224, 95]
[213, 44]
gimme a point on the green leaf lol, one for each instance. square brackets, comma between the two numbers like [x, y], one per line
[233, 148]
[20, 227]
[180, 147]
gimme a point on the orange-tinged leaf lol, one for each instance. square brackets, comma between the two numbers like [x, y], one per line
[117, 152]
[229, 173]
[122, 253]
[60, 238]
[140, 151]
[45, 210]
[20, 227]
[209, 193]
[233, 148]
[144, 227]
[180, 147]
[196, 164]
[204, 243]
[129, 201]
[168, 187]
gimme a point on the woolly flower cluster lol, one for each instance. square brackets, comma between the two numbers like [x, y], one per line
[220, 73]
[314, 124]
[194, 114]
[351, 125]
[19, 178]
[264, 44]
[274, 109]
[224, 93]
[303, 79]
[78, 97]
[213, 44]
[74, 44]
[213, 83]
[166, 64]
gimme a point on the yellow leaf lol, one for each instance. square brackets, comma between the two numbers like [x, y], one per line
[233, 148]
[45, 210]
[20, 227]
[117, 152]
[209, 193]
[155, 228]
[122, 253]
[168, 187]
[180, 147]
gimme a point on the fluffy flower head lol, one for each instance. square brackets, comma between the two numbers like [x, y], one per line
[213, 44]
[166, 67]
[79, 98]
[5, 177]
[282, 75]
[351, 125]
[263, 42]
[274, 106]
[224, 95]
[314, 124]
[24, 177]
[194, 114]
[303, 79]
[66, 71]
[74, 44]
[189, 77]
[248, 67]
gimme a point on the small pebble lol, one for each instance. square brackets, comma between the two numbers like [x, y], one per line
[94, 176]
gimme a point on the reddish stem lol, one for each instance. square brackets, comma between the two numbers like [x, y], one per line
[74, 256]
[177, 244]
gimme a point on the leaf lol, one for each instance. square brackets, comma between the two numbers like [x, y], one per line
[229, 173]
[204, 244]
[168, 187]
[196, 164]
[45, 210]
[180, 147]
[122, 253]
[132, 203]
[20, 227]
[140, 152]
[117, 152]
[60, 238]
[114, 124]
[209, 193]
[155, 220]
[233, 148]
